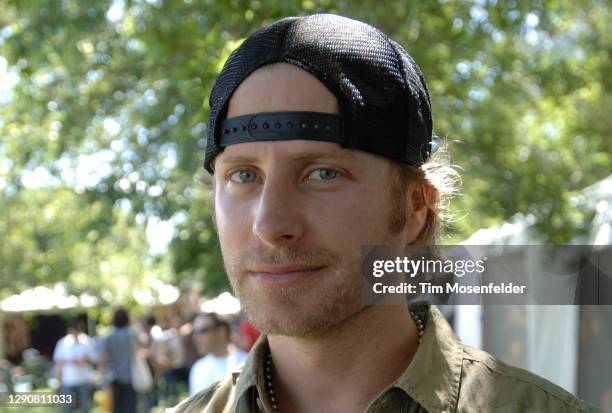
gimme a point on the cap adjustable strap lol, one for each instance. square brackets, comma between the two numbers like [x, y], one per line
[269, 126]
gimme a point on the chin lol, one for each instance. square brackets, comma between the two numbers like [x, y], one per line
[294, 320]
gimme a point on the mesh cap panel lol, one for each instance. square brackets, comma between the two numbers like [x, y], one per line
[384, 103]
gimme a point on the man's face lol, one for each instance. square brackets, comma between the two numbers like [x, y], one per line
[292, 215]
[206, 334]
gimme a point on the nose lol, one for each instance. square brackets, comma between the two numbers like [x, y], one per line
[278, 217]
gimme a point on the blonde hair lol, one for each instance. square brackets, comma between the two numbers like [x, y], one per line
[443, 181]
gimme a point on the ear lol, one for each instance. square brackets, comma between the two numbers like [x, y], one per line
[418, 193]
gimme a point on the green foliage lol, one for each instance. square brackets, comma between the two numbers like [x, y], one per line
[54, 235]
[117, 91]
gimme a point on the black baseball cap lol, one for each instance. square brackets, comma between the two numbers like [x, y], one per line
[384, 103]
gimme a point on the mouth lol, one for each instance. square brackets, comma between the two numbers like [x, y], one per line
[284, 275]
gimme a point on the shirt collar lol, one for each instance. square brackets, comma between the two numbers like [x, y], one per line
[251, 375]
[432, 378]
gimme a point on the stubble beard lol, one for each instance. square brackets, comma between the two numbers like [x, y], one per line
[311, 308]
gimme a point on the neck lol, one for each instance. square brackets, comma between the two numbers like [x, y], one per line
[343, 370]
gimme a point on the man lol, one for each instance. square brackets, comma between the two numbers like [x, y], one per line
[212, 339]
[118, 349]
[74, 358]
[320, 135]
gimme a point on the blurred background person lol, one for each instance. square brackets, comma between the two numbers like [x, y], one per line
[220, 357]
[169, 356]
[118, 352]
[190, 350]
[74, 359]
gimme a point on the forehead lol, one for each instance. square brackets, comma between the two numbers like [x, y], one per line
[281, 87]
[292, 152]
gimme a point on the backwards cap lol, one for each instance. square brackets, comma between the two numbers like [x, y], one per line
[384, 104]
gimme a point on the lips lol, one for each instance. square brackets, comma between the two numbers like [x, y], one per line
[269, 275]
[282, 269]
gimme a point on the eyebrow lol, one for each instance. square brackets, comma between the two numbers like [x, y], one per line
[301, 157]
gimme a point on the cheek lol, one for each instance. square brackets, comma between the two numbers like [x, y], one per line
[355, 217]
[232, 219]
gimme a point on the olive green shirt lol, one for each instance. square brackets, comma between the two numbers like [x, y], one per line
[444, 376]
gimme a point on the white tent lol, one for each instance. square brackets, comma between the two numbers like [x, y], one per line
[45, 298]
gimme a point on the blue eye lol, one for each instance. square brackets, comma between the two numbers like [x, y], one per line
[324, 174]
[243, 176]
